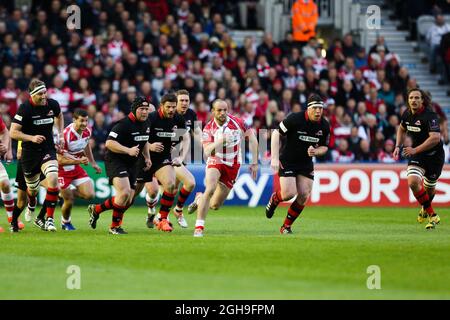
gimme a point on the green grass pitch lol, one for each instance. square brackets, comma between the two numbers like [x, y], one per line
[242, 256]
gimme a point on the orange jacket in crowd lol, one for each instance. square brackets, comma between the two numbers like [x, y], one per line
[304, 20]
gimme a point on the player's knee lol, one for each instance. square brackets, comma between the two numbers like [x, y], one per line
[21, 203]
[189, 185]
[287, 195]
[68, 197]
[5, 186]
[414, 184]
[170, 188]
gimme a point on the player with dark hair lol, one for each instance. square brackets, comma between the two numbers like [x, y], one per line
[166, 128]
[307, 135]
[33, 125]
[185, 181]
[77, 151]
[126, 141]
[222, 140]
[425, 156]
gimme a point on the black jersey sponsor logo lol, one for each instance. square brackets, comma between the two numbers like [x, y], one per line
[43, 121]
[309, 139]
[418, 123]
[50, 113]
[17, 117]
[166, 134]
[413, 129]
[319, 133]
[141, 138]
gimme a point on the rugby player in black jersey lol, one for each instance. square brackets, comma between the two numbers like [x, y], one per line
[183, 176]
[425, 156]
[126, 142]
[167, 126]
[307, 135]
[33, 125]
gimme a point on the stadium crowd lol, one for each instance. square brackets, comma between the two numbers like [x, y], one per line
[150, 48]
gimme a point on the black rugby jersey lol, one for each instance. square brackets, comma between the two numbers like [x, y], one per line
[38, 120]
[419, 125]
[301, 133]
[190, 117]
[165, 130]
[129, 133]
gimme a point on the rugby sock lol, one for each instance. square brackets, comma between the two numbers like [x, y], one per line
[64, 220]
[51, 198]
[31, 202]
[199, 224]
[8, 201]
[424, 200]
[42, 212]
[167, 200]
[293, 212]
[117, 216]
[182, 197]
[276, 198]
[16, 213]
[107, 205]
[151, 202]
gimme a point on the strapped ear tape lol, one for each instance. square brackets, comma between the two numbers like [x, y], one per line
[138, 102]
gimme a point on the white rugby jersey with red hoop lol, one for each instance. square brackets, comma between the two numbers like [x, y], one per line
[74, 145]
[228, 160]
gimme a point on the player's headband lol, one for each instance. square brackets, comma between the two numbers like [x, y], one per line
[316, 104]
[37, 90]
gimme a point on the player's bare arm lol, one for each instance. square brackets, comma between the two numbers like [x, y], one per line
[90, 157]
[59, 123]
[116, 147]
[317, 152]
[66, 159]
[17, 134]
[185, 145]
[428, 144]
[146, 154]
[210, 147]
[275, 150]
[253, 145]
[401, 133]
[5, 145]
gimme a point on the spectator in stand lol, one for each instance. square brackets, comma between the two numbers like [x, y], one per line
[434, 37]
[365, 154]
[385, 155]
[342, 154]
[304, 20]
